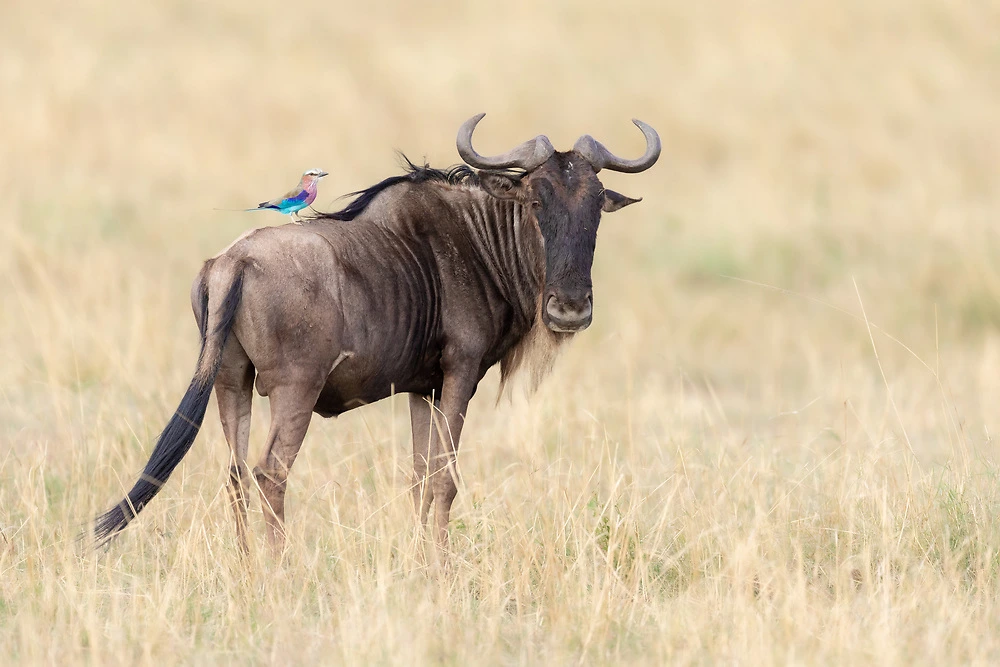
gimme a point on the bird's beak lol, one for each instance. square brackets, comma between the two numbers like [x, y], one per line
[322, 174]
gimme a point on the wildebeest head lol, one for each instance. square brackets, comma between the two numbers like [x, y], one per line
[564, 193]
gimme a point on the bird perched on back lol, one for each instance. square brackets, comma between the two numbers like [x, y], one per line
[297, 198]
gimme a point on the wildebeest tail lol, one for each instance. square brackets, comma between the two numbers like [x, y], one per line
[217, 313]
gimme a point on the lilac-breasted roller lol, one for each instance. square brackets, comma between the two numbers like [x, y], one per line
[297, 198]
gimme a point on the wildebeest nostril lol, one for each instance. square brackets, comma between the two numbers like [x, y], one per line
[552, 306]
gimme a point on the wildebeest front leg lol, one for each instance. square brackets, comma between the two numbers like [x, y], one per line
[421, 409]
[291, 410]
[448, 420]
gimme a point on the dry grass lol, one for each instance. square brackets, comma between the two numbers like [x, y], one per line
[721, 469]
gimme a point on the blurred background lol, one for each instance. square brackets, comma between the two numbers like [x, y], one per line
[842, 153]
[799, 323]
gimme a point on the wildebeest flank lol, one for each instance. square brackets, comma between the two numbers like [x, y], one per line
[420, 285]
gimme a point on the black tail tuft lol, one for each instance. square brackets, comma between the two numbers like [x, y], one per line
[180, 432]
[173, 443]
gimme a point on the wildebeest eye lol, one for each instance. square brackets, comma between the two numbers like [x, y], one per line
[536, 204]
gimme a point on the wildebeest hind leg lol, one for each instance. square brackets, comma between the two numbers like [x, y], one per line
[291, 410]
[420, 425]
[234, 392]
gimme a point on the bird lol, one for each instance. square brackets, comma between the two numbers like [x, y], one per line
[297, 198]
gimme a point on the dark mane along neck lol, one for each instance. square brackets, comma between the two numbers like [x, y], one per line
[454, 175]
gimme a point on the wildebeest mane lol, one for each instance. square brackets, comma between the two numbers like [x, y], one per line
[459, 174]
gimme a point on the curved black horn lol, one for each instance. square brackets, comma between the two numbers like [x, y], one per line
[527, 156]
[601, 158]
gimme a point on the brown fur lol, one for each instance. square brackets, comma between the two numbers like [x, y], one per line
[421, 285]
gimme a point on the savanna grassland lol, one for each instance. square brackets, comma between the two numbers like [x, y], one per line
[774, 445]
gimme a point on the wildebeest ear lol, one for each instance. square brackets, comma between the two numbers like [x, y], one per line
[500, 186]
[614, 201]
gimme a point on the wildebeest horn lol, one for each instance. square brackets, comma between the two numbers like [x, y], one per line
[527, 156]
[601, 158]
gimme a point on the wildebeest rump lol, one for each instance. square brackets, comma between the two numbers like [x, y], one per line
[420, 285]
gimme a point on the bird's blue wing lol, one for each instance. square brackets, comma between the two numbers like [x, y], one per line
[287, 201]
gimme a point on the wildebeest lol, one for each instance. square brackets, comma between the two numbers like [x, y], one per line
[419, 285]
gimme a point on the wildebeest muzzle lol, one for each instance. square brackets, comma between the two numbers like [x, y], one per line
[568, 312]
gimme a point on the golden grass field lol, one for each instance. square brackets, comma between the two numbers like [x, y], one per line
[775, 445]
